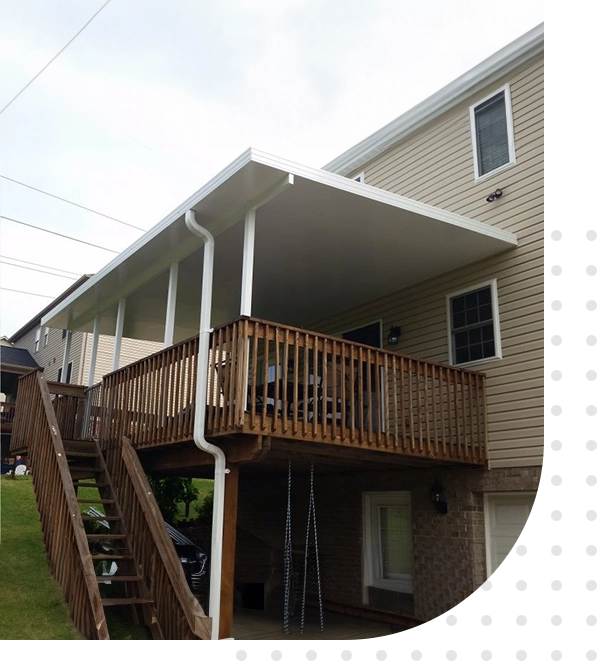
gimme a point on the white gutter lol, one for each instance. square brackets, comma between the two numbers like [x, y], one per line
[220, 469]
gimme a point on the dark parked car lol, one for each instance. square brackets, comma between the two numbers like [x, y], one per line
[192, 558]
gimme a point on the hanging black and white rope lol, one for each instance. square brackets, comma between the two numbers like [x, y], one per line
[312, 522]
[288, 554]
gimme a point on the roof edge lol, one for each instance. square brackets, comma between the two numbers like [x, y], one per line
[499, 64]
[35, 321]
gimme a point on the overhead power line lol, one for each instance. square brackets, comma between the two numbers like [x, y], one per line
[75, 204]
[30, 268]
[14, 98]
[64, 236]
[43, 266]
[29, 293]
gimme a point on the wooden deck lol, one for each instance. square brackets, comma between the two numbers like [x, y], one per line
[271, 380]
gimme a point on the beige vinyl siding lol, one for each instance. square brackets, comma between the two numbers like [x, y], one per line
[435, 165]
[50, 357]
[130, 351]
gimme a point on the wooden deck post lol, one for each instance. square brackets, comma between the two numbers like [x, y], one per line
[229, 551]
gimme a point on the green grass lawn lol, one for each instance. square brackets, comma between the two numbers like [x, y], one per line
[31, 604]
[205, 487]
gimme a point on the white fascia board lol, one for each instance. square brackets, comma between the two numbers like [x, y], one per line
[487, 72]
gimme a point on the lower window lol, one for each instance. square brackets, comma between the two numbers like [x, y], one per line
[388, 548]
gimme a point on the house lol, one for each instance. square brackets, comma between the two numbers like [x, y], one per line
[47, 346]
[369, 351]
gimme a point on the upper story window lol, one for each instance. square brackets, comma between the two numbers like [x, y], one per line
[493, 133]
[360, 177]
[37, 338]
[64, 332]
[46, 335]
[473, 324]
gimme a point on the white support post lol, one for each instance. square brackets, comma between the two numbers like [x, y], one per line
[94, 347]
[118, 336]
[246, 294]
[171, 305]
[65, 359]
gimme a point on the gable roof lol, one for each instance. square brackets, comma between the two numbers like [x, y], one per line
[35, 321]
[499, 64]
[16, 356]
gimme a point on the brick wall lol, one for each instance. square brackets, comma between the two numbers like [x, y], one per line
[449, 550]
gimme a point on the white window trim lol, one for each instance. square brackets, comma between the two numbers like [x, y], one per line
[46, 335]
[497, 337]
[372, 499]
[37, 340]
[510, 125]
[360, 177]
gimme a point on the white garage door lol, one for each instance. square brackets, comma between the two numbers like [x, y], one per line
[505, 517]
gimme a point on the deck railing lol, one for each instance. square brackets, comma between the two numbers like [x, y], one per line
[267, 378]
[7, 416]
[62, 527]
[180, 615]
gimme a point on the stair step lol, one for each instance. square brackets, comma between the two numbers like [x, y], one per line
[74, 454]
[81, 446]
[90, 485]
[111, 556]
[126, 601]
[96, 536]
[86, 469]
[121, 579]
[107, 501]
[88, 517]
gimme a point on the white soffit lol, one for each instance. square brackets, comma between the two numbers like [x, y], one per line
[325, 244]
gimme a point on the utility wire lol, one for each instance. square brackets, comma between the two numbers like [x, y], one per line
[80, 206]
[30, 268]
[64, 236]
[14, 98]
[29, 293]
[43, 266]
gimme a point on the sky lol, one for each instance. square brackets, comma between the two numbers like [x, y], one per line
[154, 98]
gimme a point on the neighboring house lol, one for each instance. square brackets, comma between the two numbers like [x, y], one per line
[47, 346]
[379, 320]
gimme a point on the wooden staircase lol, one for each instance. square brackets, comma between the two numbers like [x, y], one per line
[130, 531]
[126, 587]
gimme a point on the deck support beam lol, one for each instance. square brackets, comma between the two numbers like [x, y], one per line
[66, 356]
[94, 347]
[229, 551]
[118, 336]
[171, 305]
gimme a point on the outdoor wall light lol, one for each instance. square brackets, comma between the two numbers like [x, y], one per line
[394, 334]
[437, 498]
[497, 193]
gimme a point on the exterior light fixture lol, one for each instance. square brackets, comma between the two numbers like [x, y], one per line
[497, 193]
[438, 499]
[394, 334]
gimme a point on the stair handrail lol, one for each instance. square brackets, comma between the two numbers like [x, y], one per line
[199, 623]
[60, 565]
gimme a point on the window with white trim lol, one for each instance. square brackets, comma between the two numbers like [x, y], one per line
[493, 133]
[473, 323]
[37, 337]
[388, 540]
[46, 335]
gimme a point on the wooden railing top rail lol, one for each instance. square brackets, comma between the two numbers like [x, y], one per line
[68, 389]
[200, 624]
[302, 331]
[340, 340]
[74, 512]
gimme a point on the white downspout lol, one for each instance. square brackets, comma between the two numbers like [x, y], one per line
[220, 470]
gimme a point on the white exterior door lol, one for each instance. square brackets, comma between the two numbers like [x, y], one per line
[505, 517]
